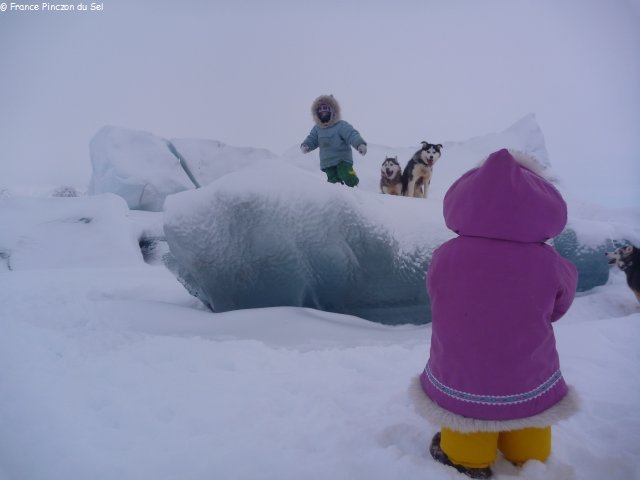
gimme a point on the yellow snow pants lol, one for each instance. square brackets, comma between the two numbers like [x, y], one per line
[479, 449]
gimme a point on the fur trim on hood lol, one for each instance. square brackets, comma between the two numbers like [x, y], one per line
[530, 162]
[437, 415]
[335, 110]
[526, 208]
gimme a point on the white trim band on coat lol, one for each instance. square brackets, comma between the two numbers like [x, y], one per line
[435, 414]
[498, 400]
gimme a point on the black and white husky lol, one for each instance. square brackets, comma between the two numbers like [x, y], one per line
[416, 176]
[628, 260]
[391, 176]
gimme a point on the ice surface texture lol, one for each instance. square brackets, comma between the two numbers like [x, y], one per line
[273, 236]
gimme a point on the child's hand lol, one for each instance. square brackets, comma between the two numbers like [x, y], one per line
[304, 148]
[362, 148]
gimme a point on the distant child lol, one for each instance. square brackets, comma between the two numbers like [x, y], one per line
[335, 137]
[493, 378]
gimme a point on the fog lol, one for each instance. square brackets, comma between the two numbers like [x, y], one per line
[246, 72]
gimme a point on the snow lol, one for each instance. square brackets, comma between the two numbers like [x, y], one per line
[115, 373]
[111, 370]
[66, 232]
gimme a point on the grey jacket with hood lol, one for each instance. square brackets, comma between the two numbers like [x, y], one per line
[335, 138]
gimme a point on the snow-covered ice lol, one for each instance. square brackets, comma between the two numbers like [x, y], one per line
[144, 168]
[136, 165]
[275, 233]
[274, 236]
[208, 160]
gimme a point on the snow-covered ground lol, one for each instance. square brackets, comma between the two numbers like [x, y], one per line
[117, 373]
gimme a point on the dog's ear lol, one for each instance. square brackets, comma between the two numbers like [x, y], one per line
[439, 145]
[423, 143]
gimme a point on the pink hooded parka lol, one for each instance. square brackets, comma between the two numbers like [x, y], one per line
[495, 291]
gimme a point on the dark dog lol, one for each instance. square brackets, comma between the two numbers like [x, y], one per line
[391, 176]
[628, 260]
[416, 176]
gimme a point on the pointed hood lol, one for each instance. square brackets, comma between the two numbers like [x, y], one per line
[335, 110]
[502, 199]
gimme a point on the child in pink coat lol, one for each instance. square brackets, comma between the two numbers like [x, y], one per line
[493, 379]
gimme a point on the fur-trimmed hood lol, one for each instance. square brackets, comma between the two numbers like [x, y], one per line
[335, 138]
[335, 110]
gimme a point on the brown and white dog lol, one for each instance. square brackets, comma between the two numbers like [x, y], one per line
[416, 176]
[391, 176]
[627, 259]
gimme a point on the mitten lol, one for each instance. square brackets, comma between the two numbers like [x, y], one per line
[304, 148]
[362, 148]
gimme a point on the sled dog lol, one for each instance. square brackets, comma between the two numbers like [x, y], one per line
[627, 259]
[416, 176]
[391, 176]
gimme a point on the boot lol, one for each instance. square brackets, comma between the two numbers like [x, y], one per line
[439, 456]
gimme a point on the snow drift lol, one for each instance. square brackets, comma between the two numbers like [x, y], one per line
[66, 232]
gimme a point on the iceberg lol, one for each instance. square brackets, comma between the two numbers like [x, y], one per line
[275, 236]
[143, 168]
[138, 166]
[209, 160]
[273, 232]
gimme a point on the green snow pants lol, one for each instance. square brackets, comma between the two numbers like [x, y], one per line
[342, 173]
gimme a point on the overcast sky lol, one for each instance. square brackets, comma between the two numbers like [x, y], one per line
[245, 73]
